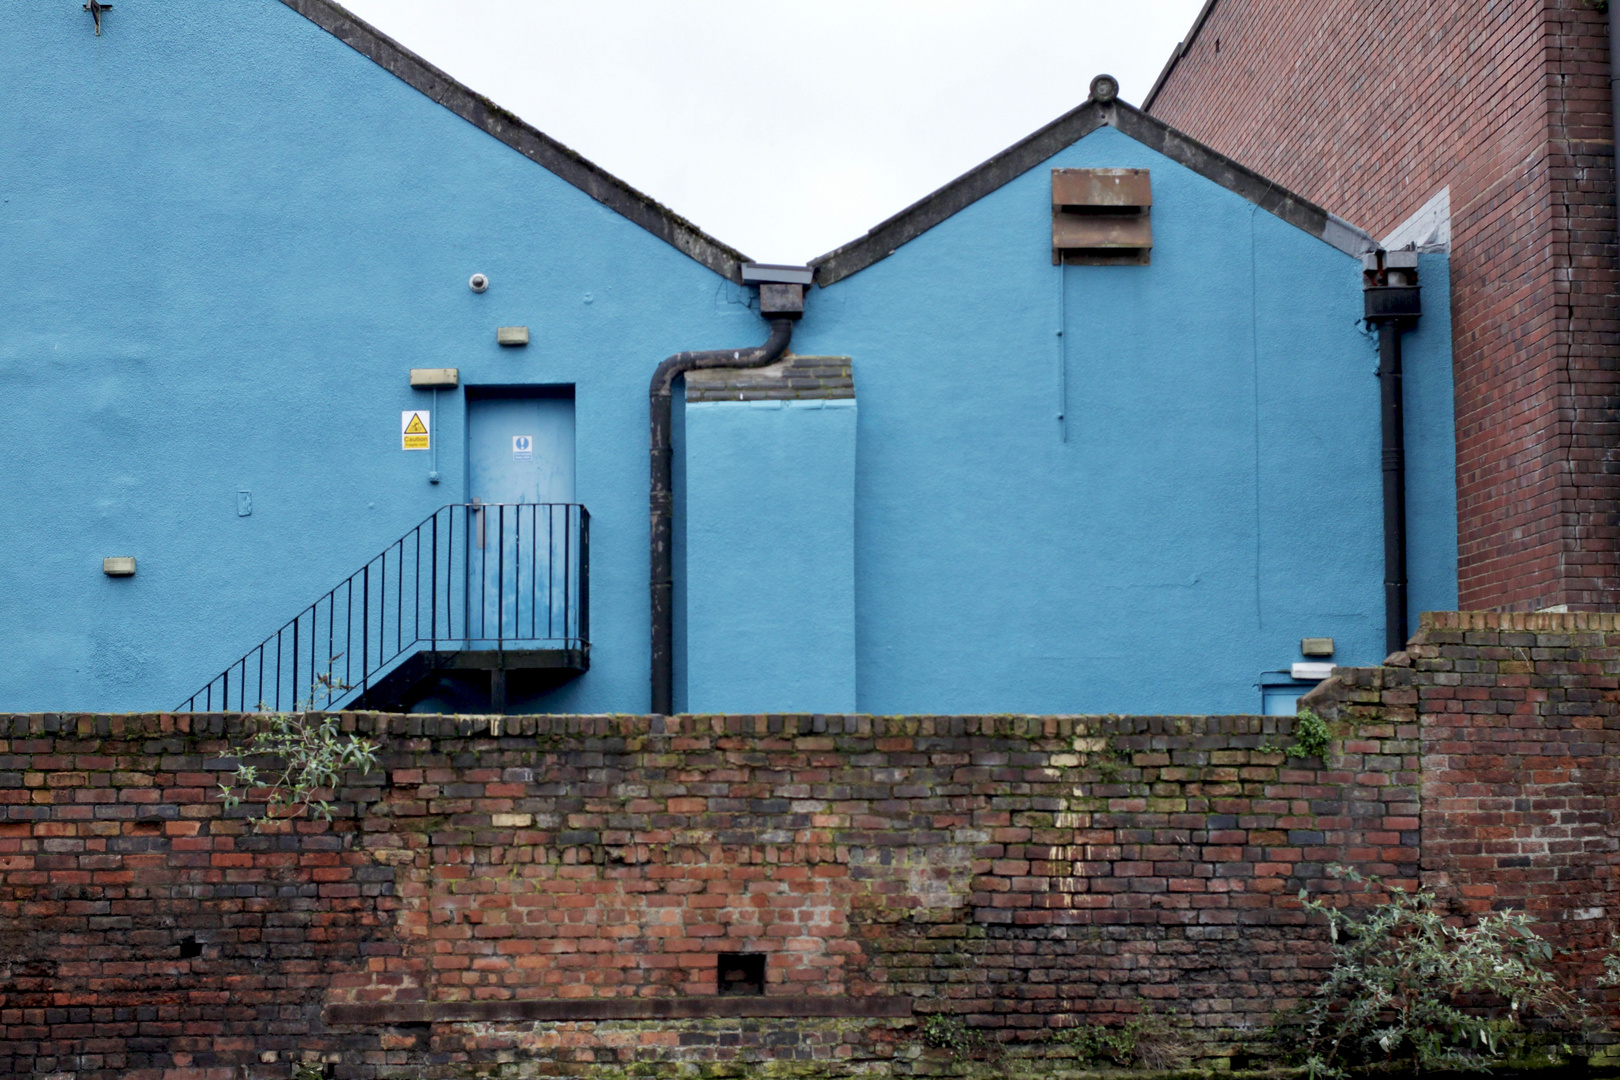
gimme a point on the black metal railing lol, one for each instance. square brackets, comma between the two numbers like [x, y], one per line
[472, 576]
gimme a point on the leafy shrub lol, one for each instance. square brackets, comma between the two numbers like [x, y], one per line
[313, 754]
[1409, 987]
[1611, 964]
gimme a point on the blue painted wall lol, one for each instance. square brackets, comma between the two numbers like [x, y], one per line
[227, 237]
[1217, 496]
[769, 556]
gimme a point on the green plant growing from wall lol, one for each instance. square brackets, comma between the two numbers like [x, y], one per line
[1407, 987]
[942, 1032]
[1111, 761]
[311, 753]
[1147, 1041]
[1311, 736]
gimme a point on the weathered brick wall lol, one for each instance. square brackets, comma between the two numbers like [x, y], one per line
[1022, 873]
[1519, 717]
[1372, 108]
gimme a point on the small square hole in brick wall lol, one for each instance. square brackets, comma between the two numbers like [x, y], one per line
[742, 973]
[190, 947]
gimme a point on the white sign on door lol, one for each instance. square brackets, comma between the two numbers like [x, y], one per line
[522, 447]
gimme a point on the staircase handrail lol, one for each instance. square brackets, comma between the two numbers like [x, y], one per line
[297, 643]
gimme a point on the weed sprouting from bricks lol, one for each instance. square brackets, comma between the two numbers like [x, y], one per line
[1311, 736]
[310, 755]
[951, 1033]
[1148, 1041]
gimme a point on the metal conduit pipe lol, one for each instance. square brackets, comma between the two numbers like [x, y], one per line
[662, 497]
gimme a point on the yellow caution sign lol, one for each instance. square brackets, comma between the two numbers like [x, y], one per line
[413, 429]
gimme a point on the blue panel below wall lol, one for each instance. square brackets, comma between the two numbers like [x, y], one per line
[769, 581]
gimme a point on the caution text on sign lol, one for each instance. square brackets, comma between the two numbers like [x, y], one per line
[413, 429]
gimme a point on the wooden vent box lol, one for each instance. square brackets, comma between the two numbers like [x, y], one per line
[1100, 217]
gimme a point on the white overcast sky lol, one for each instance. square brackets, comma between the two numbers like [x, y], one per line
[787, 129]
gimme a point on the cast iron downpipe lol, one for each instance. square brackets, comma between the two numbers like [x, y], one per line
[662, 499]
[1392, 422]
[1392, 304]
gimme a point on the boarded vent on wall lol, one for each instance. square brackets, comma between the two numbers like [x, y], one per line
[1100, 217]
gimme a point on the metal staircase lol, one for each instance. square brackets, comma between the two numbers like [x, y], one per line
[477, 590]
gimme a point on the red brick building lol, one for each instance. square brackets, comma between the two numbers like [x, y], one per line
[1379, 111]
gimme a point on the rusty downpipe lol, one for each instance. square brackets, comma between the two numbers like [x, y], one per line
[781, 300]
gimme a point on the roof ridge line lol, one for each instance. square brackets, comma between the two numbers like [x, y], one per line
[566, 164]
[890, 234]
[957, 194]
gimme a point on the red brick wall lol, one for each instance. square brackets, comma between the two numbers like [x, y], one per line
[1520, 722]
[1023, 873]
[1369, 109]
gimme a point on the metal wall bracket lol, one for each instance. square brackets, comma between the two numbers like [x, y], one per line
[95, 9]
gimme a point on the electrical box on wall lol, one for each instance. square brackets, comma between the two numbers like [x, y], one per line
[1101, 217]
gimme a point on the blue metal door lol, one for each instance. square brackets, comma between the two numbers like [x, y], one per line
[520, 473]
[520, 450]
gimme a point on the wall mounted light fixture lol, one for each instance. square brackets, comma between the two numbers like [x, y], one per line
[435, 378]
